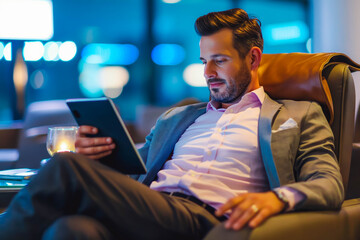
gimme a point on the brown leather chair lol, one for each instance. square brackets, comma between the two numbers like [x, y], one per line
[354, 176]
[325, 78]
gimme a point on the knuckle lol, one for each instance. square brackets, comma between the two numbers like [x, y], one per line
[79, 150]
[83, 130]
[232, 201]
[265, 213]
[240, 208]
[93, 141]
[236, 200]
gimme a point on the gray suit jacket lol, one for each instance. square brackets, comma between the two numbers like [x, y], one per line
[296, 146]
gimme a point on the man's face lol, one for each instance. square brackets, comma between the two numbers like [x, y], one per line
[227, 74]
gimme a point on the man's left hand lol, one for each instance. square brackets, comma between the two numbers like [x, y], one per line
[251, 209]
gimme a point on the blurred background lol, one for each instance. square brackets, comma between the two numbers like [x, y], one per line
[142, 52]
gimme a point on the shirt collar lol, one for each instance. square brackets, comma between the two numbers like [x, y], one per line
[255, 95]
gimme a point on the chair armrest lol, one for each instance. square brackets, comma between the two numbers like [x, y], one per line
[9, 137]
[330, 225]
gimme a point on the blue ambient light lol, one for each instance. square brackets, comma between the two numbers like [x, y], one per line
[286, 33]
[111, 54]
[168, 54]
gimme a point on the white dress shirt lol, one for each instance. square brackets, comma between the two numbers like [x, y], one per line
[218, 156]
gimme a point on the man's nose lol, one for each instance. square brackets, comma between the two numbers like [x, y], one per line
[209, 71]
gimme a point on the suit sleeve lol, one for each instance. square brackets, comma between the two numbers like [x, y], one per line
[316, 168]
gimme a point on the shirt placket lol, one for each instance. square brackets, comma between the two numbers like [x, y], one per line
[215, 140]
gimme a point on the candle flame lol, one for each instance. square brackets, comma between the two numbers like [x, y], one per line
[64, 147]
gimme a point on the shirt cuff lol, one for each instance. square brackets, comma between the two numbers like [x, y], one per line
[294, 196]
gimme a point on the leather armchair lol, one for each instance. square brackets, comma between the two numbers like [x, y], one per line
[325, 78]
[354, 176]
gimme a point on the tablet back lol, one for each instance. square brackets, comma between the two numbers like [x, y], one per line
[103, 114]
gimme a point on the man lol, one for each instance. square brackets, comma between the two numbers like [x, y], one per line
[243, 154]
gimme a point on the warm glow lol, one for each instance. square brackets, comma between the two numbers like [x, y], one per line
[20, 73]
[63, 147]
[112, 80]
[61, 139]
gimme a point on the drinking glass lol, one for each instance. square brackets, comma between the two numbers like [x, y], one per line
[61, 139]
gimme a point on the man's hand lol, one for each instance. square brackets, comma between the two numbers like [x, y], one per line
[93, 147]
[251, 209]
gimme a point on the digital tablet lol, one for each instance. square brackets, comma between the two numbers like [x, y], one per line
[103, 114]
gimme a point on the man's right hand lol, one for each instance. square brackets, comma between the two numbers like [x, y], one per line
[93, 147]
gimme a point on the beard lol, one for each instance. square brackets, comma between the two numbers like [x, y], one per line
[235, 87]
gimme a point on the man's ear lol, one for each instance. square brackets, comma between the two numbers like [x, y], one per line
[255, 57]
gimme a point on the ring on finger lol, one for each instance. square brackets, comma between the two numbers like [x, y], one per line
[254, 208]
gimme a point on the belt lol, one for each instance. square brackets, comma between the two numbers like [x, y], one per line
[197, 201]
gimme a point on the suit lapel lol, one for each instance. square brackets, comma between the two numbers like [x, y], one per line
[268, 110]
[172, 129]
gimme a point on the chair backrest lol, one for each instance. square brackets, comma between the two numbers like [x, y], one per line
[39, 116]
[325, 78]
[342, 89]
[357, 127]
[354, 176]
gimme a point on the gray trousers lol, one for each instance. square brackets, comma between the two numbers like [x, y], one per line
[72, 194]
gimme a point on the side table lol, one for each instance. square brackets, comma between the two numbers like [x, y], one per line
[8, 189]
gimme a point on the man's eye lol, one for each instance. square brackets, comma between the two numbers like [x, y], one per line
[220, 61]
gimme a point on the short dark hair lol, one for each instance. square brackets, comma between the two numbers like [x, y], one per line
[246, 30]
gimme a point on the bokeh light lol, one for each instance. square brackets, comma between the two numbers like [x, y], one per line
[7, 52]
[26, 19]
[89, 82]
[67, 51]
[171, 1]
[194, 75]
[97, 81]
[51, 51]
[286, 33]
[168, 54]
[33, 51]
[37, 79]
[112, 80]
[1, 50]
[309, 45]
[111, 54]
